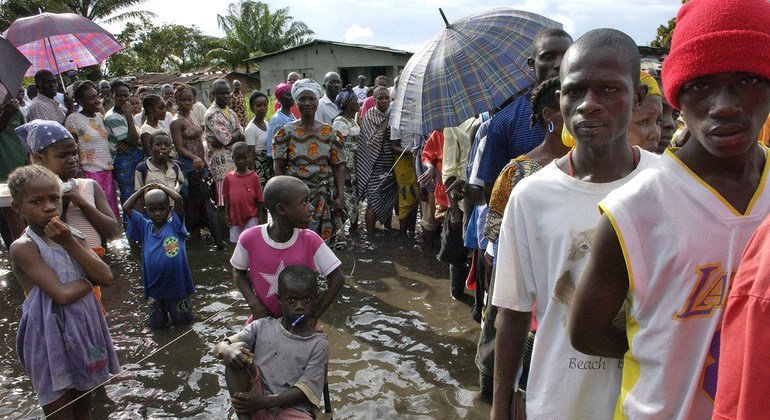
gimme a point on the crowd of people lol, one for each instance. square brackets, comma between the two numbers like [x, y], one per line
[599, 217]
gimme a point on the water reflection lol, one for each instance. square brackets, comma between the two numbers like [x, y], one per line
[399, 346]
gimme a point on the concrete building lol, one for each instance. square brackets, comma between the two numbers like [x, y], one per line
[317, 57]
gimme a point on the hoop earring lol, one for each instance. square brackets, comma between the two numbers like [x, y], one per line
[551, 127]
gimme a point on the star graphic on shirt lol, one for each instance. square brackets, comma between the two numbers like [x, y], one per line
[272, 279]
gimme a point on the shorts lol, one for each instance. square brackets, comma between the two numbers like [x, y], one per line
[235, 231]
[177, 311]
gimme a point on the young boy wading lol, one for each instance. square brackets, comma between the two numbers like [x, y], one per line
[670, 240]
[546, 231]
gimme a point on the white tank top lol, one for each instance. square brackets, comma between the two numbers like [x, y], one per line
[682, 243]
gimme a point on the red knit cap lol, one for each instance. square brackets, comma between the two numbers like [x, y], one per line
[717, 36]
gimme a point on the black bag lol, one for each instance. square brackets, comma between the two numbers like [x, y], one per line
[452, 246]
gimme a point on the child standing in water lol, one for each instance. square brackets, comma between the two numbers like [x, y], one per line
[63, 341]
[243, 194]
[167, 279]
[264, 251]
[275, 367]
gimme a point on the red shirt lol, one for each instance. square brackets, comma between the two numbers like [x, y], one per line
[744, 372]
[243, 193]
[433, 154]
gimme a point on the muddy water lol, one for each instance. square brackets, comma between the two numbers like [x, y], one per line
[400, 347]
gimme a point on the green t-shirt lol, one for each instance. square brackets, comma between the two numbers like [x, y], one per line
[12, 154]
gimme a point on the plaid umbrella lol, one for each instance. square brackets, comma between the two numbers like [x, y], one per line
[61, 42]
[12, 68]
[472, 66]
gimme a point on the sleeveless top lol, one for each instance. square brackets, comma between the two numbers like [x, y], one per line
[63, 346]
[192, 136]
[682, 243]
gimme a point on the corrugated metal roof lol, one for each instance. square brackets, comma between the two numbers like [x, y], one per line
[342, 44]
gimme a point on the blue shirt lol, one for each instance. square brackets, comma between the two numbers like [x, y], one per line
[165, 271]
[509, 137]
[279, 120]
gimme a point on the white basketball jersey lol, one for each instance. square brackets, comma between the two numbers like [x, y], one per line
[682, 243]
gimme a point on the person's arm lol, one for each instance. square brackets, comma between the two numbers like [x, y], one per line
[512, 329]
[99, 214]
[136, 198]
[93, 267]
[249, 402]
[336, 280]
[227, 211]
[280, 144]
[176, 198]
[133, 133]
[145, 137]
[241, 278]
[27, 264]
[599, 295]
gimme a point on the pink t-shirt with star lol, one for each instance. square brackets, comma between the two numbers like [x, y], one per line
[265, 259]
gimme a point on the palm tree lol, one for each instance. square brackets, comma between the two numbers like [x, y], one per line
[251, 30]
[107, 11]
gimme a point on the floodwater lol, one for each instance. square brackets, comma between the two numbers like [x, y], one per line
[400, 347]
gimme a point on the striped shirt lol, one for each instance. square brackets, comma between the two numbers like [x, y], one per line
[117, 125]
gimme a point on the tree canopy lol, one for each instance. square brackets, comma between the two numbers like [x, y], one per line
[663, 38]
[105, 11]
[251, 30]
[165, 48]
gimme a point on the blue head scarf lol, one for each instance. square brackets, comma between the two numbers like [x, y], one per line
[36, 135]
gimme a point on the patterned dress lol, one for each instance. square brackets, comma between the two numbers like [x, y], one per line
[351, 133]
[221, 126]
[194, 205]
[312, 158]
[238, 104]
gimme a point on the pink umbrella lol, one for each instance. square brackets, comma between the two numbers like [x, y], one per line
[61, 42]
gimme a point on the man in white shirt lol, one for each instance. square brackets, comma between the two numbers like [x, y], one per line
[547, 228]
[327, 110]
[360, 90]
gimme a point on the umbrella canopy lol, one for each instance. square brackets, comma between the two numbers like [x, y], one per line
[472, 66]
[12, 69]
[61, 42]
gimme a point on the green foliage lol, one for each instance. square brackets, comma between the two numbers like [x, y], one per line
[106, 11]
[166, 48]
[251, 30]
[663, 38]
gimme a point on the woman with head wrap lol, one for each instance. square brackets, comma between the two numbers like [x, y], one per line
[376, 181]
[346, 124]
[96, 153]
[644, 130]
[313, 152]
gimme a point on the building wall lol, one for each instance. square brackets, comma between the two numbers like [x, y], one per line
[315, 61]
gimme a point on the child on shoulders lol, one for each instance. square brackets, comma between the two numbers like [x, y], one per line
[264, 251]
[159, 167]
[167, 279]
[63, 340]
[275, 367]
[242, 193]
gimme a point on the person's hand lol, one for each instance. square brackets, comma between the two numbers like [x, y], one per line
[237, 356]
[75, 197]
[68, 101]
[126, 109]
[456, 189]
[227, 220]
[11, 106]
[249, 402]
[197, 163]
[427, 176]
[58, 231]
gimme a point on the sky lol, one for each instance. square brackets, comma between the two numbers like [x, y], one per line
[407, 24]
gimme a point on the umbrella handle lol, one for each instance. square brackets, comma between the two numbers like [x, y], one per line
[55, 62]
